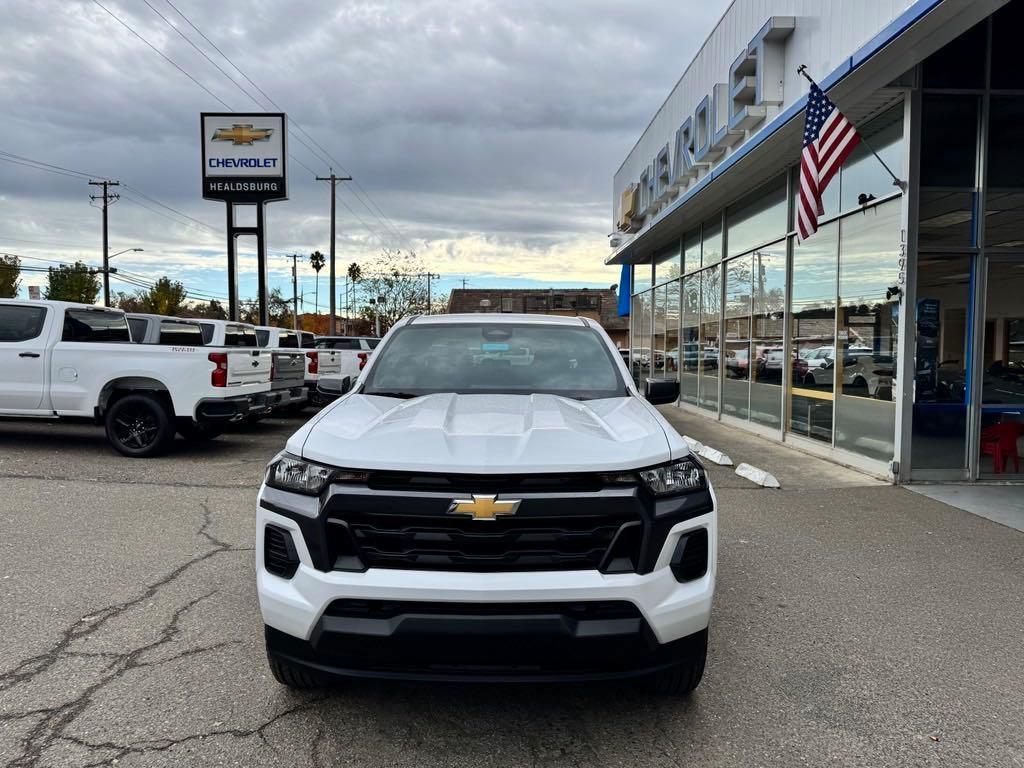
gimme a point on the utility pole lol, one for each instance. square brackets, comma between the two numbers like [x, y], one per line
[107, 197]
[295, 290]
[334, 179]
[464, 281]
[430, 306]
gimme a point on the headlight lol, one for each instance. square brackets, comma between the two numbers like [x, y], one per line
[290, 473]
[679, 477]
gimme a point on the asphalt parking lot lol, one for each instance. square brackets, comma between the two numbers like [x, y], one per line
[855, 624]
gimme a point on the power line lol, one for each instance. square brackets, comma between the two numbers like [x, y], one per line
[51, 165]
[385, 221]
[161, 54]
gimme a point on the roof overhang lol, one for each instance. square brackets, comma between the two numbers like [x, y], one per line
[862, 86]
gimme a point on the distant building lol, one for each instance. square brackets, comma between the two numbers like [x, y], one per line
[600, 304]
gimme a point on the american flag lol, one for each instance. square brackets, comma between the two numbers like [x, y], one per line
[829, 138]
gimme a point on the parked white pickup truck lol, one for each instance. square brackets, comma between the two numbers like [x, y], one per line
[59, 359]
[319, 362]
[355, 353]
[165, 330]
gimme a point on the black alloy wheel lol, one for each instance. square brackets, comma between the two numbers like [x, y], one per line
[138, 426]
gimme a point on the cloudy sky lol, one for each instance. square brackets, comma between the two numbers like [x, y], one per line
[483, 134]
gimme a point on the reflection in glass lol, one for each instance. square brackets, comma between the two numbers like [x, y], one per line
[813, 322]
[711, 249]
[1002, 384]
[1006, 26]
[635, 364]
[642, 277]
[736, 371]
[946, 218]
[941, 355]
[658, 341]
[862, 176]
[758, 218]
[710, 312]
[768, 268]
[667, 263]
[671, 369]
[691, 251]
[865, 366]
[690, 341]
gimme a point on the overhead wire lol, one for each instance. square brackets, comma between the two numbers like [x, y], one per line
[330, 159]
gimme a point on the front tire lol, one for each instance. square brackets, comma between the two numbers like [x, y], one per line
[293, 677]
[683, 678]
[138, 426]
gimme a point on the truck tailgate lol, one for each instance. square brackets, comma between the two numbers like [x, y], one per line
[329, 362]
[289, 369]
[248, 366]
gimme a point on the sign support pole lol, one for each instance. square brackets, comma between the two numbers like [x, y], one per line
[234, 232]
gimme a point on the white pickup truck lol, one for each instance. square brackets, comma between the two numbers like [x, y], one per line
[355, 353]
[59, 359]
[319, 362]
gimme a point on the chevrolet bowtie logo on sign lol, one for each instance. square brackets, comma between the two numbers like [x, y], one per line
[243, 134]
[482, 507]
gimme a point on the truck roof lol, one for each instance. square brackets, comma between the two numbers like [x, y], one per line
[497, 317]
[59, 304]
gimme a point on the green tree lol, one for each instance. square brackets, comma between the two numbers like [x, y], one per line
[74, 282]
[316, 261]
[166, 297]
[279, 310]
[214, 310]
[10, 276]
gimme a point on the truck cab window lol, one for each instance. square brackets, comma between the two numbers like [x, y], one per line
[21, 323]
[95, 325]
[181, 334]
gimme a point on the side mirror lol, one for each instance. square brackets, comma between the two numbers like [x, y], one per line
[661, 391]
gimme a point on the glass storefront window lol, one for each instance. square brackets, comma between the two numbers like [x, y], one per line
[672, 330]
[667, 263]
[635, 331]
[865, 360]
[736, 371]
[659, 298]
[1002, 382]
[691, 251]
[945, 218]
[941, 352]
[768, 268]
[711, 246]
[690, 353]
[1006, 25]
[862, 176]
[758, 218]
[710, 313]
[949, 128]
[813, 322]
[959, 64]
[643, 275]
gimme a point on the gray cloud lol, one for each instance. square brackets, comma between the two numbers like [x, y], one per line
[484, 129]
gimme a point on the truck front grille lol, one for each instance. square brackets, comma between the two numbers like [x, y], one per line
[415, 531]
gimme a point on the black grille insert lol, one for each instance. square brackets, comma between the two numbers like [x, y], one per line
[279, 555]
[690, 560]
[389, 609]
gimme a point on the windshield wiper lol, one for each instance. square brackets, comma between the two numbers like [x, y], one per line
[400, 395]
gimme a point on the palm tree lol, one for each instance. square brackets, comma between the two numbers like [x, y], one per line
[316, 261]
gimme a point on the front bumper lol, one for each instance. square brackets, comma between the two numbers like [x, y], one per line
[303, 627]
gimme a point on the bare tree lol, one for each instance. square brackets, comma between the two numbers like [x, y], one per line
[396, 283]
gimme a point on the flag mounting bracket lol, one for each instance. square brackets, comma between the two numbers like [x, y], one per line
[896, 181]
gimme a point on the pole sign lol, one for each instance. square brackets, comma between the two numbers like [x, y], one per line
[244, 156]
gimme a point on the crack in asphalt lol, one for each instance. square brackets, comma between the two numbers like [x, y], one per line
[55, 720]
[132, 481]
[162, 745]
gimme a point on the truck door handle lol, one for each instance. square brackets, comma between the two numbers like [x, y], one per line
[29, 354]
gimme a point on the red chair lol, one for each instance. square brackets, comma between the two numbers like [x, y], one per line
[1000, 442]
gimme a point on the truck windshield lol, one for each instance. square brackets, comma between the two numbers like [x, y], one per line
[495, 358]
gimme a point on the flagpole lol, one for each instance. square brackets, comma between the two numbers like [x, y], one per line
[802, 69]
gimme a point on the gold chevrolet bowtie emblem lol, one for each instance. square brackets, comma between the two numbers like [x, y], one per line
[241, 133]
[483, 507]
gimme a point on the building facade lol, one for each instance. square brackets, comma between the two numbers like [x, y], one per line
[598, 304]
[892, 340]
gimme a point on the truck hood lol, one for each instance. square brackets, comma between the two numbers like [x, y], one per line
[507, 434]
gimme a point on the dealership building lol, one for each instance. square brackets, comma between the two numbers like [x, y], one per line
[892, 340]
